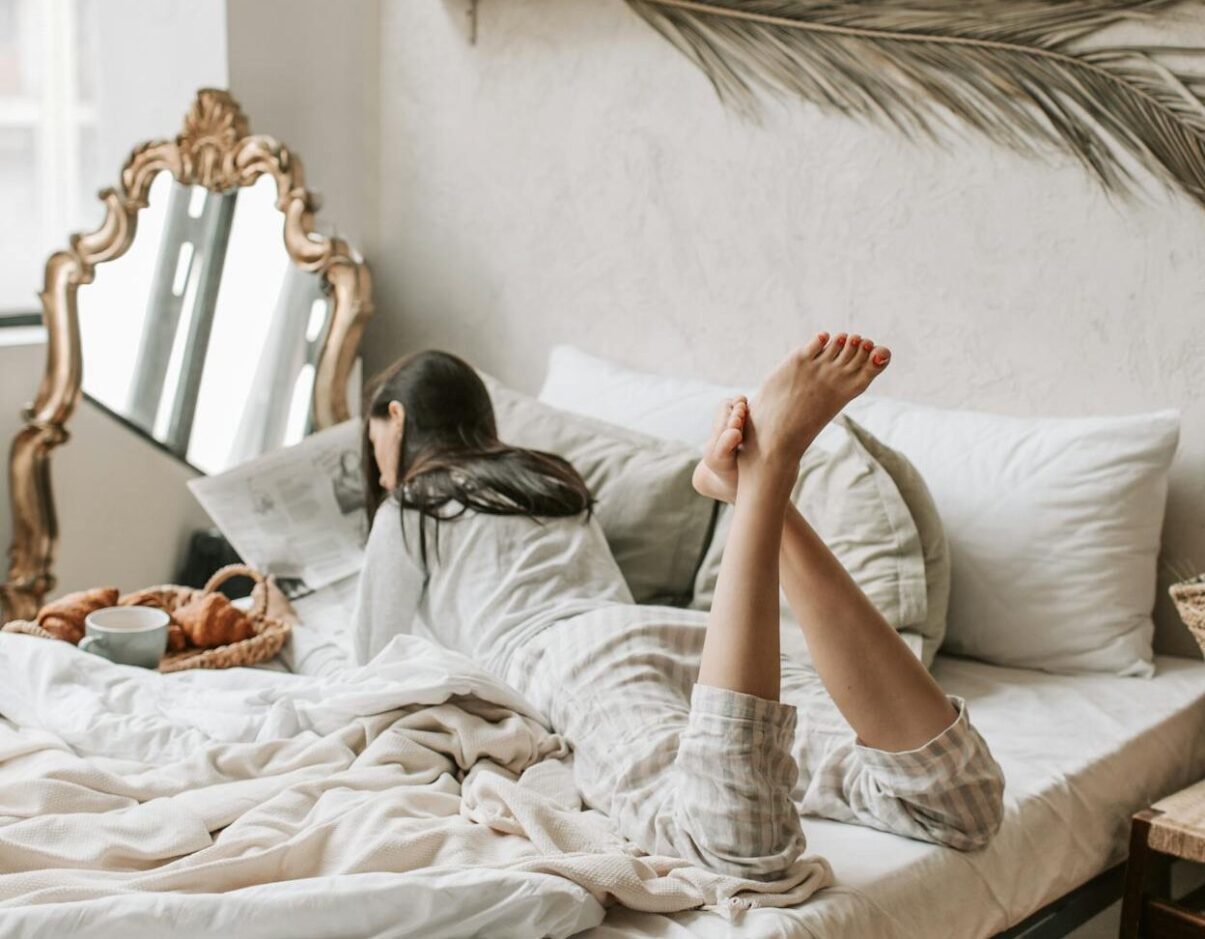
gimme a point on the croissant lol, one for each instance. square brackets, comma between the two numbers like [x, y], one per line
[167, 598]
[211, 620]
[177, 640]
[64, 618]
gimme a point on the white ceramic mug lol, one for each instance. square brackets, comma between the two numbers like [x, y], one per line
[127, 635]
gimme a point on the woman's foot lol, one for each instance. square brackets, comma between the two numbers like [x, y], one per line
[805, 392]
[715, 476]
[826, 374]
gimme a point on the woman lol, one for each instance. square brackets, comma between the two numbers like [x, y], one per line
[684, 725]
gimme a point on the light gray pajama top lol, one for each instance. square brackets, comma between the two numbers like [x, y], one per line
[715, 777]
[496, 581]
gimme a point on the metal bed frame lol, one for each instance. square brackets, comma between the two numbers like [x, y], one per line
[1071, 910]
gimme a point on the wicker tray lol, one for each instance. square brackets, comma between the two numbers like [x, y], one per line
[270, 631]
[1189, 597]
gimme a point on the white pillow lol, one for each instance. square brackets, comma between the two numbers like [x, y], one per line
[679, 409]
[1054, 528]
[1053, 523]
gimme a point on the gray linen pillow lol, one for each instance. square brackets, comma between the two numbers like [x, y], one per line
[855, 506]
[935, 548]
[656, 525]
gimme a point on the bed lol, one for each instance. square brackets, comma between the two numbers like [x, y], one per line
[420, 796]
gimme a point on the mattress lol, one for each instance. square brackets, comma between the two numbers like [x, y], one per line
[1080, 755]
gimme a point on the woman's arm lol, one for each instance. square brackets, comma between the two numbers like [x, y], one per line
[312, 652]
[391, 584]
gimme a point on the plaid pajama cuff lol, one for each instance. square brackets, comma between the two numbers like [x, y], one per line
[720, 702]
[949, 791]
[734, 774]
[955, 749]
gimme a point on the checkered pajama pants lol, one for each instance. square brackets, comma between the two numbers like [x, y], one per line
[720, 778]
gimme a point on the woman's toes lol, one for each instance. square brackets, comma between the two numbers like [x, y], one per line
[880, 356]
[737, 415]
[815, 345]
[728, 433]
[837, 346]
[852, 345]
[726, 444]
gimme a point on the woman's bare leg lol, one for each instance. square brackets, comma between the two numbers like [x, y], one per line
[883, 691]
[741, 648]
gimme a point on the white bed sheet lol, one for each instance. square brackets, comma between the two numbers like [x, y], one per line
[1080, 755]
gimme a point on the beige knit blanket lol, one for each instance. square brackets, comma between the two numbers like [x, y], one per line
[414, 796]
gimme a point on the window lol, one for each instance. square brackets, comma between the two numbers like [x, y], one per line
[48, 172]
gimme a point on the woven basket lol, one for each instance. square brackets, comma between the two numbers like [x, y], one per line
[270, 632]
[1189, 597]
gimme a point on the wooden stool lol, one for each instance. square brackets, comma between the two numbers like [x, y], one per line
[1172, 828]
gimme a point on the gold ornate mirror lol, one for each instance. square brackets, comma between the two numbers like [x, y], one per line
[213, 319]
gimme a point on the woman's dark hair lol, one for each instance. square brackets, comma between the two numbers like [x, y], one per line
[451, 451]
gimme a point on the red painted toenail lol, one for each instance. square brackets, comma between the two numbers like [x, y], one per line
[840, 340]
[879, 359]
[867, 344]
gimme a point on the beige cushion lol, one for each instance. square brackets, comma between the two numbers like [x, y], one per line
[855, 506]
[934, 547]
[656, 525]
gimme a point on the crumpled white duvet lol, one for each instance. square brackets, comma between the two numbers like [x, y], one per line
[416, 795]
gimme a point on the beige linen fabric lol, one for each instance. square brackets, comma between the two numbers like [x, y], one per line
[935, 549]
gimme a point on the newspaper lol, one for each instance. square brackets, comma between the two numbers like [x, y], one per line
[298, 514]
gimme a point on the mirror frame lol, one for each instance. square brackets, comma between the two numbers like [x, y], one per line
[215, 150]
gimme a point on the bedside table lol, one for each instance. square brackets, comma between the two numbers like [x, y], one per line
[1172, 828]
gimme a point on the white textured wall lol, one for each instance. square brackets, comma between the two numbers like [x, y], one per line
[305, 71]
[153, 56]
[572, 178]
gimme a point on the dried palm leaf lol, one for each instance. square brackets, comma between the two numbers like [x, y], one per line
[1029, 74]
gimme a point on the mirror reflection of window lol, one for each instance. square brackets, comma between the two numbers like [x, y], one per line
[113, 308]
[175, 338]
[258, 344]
